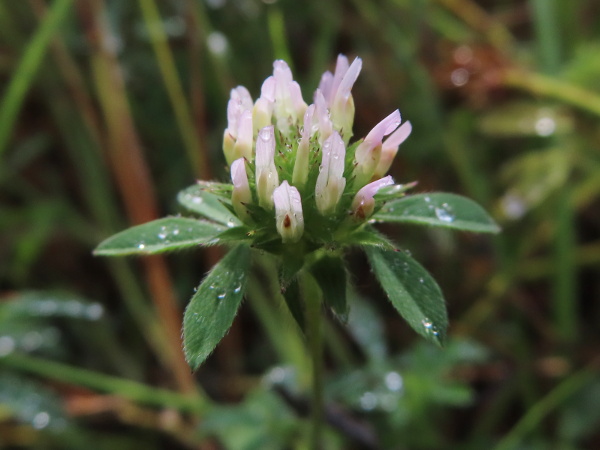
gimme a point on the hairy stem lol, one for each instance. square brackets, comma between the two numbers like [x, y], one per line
[314, 326]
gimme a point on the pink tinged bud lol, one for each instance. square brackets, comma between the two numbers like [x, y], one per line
[243, 144]
[267, 178]
[323, 122]
[289, 105]
[342, 104]
[267, 90]
[262, 113]
[241, 189]
[390, 147]
[288, 212]
[341, 67]
[302, 154]
[364, 203]
[368, 152]
[238, 107]
[330, 182]
[263, 108]
[239, 102]
[325, 84]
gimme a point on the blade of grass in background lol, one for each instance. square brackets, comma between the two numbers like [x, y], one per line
[196, 152]
[564, 294]
[27, 69]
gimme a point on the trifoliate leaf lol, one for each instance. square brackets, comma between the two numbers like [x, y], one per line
[412, 291]
[203, 201]
[162, 235]
[439, 209]
[214, 305]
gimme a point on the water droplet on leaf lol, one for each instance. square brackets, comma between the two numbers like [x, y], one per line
[444, 214]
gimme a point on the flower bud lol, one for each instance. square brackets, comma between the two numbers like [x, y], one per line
[237, 139]
[243, 145]
[240, 101]
[368, 152]
[241, 189]
[302, 153]
[364, 203]
[330, 182]
[390, 147]
[289, 106]
[321, 117]
[341, 103]
[288, 212]
[267, 178]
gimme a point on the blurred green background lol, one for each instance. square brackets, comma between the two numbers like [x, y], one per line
[108, 108]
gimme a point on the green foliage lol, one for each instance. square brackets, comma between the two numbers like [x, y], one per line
[158, 236]
[412, 291]
[441, 210]
[504, 111]
[214, 305]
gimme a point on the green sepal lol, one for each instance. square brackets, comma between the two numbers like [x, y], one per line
[213, 307]
[412, 291]
[393, 192]
[438, 209]
[158, 236]
[235, 234]
[367, 236]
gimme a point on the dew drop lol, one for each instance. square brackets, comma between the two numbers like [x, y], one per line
[221, 296]
[237, 289]
[141, 246]
[230, 223]
[94, 311]
[163, 233]
[393, 381]
[41, 420]
[444, 213]
[196, 200]
[427, 199]
[175, 231]
[368, 401]
[7, 345]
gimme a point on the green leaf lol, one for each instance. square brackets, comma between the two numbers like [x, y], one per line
[439, 209]
[214, 305]
[330, 273]
[201, 200]
[167, 234]
[412, 291]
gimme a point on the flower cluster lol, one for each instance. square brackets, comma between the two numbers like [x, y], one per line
[293, 163]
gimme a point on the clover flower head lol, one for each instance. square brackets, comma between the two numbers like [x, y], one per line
[296, 176]
[300, 190]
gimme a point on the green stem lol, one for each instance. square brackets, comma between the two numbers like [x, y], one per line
[314, 325]
[128, 389]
